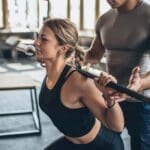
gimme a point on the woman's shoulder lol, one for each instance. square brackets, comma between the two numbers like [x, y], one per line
[81, 82]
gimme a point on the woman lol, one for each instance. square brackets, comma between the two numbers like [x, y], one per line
[72, 101]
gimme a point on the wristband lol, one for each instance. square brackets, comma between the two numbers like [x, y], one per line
[111, 105]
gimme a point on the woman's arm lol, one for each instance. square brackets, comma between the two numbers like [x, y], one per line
[108, 112]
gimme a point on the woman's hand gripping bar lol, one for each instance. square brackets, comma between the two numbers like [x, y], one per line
[117, 87]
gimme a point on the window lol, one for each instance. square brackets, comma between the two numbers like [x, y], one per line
[89, 14]
[22, 14]
[58, 8]
[79, 11]
[74, 12]
[29, 14]
[148, 1]
[1, 14]
[44, 7]
[104, 6]
[83, 13]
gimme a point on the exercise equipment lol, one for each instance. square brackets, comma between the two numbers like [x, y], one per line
[30, 49]
[117, 87]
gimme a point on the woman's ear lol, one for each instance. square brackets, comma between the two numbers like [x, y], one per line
[62, 49]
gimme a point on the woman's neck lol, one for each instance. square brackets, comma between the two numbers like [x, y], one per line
[129, 5]
[53, 71]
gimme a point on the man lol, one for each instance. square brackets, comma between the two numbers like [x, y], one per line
[123, 34]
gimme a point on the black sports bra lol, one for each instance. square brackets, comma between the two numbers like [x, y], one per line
[71, 122]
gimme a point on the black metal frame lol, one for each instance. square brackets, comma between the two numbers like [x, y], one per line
[34, 112]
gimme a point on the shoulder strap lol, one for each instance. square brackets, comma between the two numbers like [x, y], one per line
[65, 71]
[68, 75]
[62, 77]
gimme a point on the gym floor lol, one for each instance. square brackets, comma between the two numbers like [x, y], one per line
[14, 100]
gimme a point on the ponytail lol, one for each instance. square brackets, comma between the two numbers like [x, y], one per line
[75, 56]
[79, 56]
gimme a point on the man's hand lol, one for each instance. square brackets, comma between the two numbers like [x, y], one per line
[134, 84]
[135, 80]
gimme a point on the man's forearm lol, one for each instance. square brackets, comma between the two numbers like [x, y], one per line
[96, 52]
[91, 58]
[145, 82]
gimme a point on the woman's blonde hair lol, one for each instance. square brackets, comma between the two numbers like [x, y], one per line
[66, 33]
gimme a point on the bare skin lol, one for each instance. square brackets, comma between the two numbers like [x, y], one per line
[75, 95]
[97, 50]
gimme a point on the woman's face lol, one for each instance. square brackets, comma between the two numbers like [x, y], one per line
[46, 45]
[116, 3]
